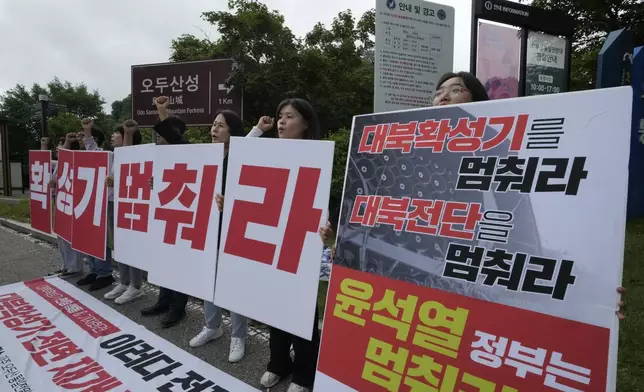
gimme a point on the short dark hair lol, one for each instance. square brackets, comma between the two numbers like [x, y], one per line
[471, 83]
[305, 109]
[74, 145]
[136, 136]
[235, 123]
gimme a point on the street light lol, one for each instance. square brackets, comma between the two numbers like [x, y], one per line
[44, 107]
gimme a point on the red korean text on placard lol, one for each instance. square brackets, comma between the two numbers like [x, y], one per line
[134, 196]
[303, 218]
[89, 229]
[196, 208]
[39, 190]
[63, 218]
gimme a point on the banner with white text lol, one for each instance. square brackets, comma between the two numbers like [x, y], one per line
[39, 190]
[482, 245]
[55, 337]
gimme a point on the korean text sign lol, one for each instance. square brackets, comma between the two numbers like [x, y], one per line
[277, 195]
[132, 198]
[197, 90]
[63, 216]
[40, 170]
[54, 336]
[184, 219]
[491, 200]
[89, 228]
[382, 334]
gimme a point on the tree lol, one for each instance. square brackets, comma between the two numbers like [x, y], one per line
[18, 106]
[595, 19]
[122, 110]
[331, 67]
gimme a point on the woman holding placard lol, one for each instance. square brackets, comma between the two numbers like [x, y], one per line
[228, 124]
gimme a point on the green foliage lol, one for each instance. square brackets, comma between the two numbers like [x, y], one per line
[15, 211]
[331, 67]
[122, 110]
[198, 135]
[630, 365]
[595, 19]
[341, 138]
[17, 105]
[62, 124]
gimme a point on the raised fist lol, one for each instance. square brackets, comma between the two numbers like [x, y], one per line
[87, 124]
[130, 126]
[265, 123]
[162, 102]
[71, 136]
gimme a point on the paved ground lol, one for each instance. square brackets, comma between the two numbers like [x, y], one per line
[23, 258]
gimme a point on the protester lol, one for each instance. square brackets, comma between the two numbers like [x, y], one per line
[227, 124]
[72, 260]
[462, 87]
[296, 120]
[100, 271]
[170, 130]
[130, 278]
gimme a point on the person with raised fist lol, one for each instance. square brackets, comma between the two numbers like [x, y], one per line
[169, 130]
[71, 260]
[296, 119]
[100, 271]
[130, 278]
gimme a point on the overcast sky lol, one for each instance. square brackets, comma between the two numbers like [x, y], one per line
[96, 42]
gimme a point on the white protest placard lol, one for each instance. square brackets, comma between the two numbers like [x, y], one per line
[277, 195]
[184, 223]
[414, 47]
[132, 196]
[55, 337]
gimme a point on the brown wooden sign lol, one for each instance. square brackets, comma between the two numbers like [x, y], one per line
[197, 90]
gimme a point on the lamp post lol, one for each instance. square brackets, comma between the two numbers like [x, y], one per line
[44, 107]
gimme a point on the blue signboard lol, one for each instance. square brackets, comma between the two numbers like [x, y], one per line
[636, 166]
[619, 65]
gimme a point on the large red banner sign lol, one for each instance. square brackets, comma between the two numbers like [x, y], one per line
[39, 191]
[64, 218]
[90, 203]
[397, 336]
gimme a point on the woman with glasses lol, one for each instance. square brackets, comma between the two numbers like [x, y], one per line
[460, 87]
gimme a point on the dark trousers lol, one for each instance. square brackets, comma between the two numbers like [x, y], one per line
[306, 355]
[174, 299]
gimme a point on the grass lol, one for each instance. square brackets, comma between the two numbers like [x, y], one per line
[630, 368]
[16, 211]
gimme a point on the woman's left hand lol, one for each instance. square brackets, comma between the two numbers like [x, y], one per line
[326, 234]
[620, 304]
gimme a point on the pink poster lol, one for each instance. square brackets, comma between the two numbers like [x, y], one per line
[498, 59]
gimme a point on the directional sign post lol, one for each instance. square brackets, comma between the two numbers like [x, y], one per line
[197, 91]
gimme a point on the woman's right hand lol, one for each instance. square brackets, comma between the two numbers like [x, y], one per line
[219, 198]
